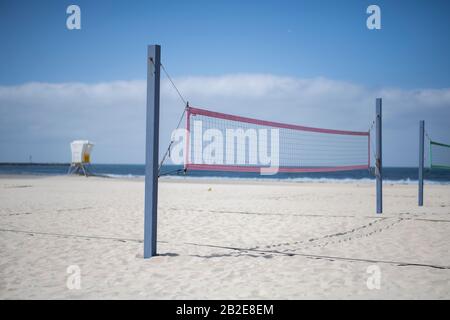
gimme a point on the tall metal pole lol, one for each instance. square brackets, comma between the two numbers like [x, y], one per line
[421, 158]
[379, 163]
[152, 150]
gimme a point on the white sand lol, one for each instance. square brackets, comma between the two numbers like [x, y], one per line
[50, 223]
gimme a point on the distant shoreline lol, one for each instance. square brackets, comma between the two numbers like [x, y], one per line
[33, 164]
[139, 164]
[137, 171]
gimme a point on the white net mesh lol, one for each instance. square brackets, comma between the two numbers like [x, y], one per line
[439, 155]
[219, 141]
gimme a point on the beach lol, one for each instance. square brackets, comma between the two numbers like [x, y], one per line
[222, 239]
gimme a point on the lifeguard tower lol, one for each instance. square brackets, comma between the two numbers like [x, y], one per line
[81, 157]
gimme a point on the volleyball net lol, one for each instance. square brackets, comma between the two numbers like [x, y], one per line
[223, 142]
[439, 155]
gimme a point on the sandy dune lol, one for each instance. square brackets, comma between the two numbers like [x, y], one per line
[233, 239]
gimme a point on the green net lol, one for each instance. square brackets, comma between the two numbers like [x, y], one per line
[439, 155]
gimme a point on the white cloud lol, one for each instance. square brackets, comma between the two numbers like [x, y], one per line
[42, 118]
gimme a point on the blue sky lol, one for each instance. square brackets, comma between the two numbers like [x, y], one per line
[325, 40]
[295, 38]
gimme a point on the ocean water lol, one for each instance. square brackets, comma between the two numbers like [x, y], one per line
[136, 171]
